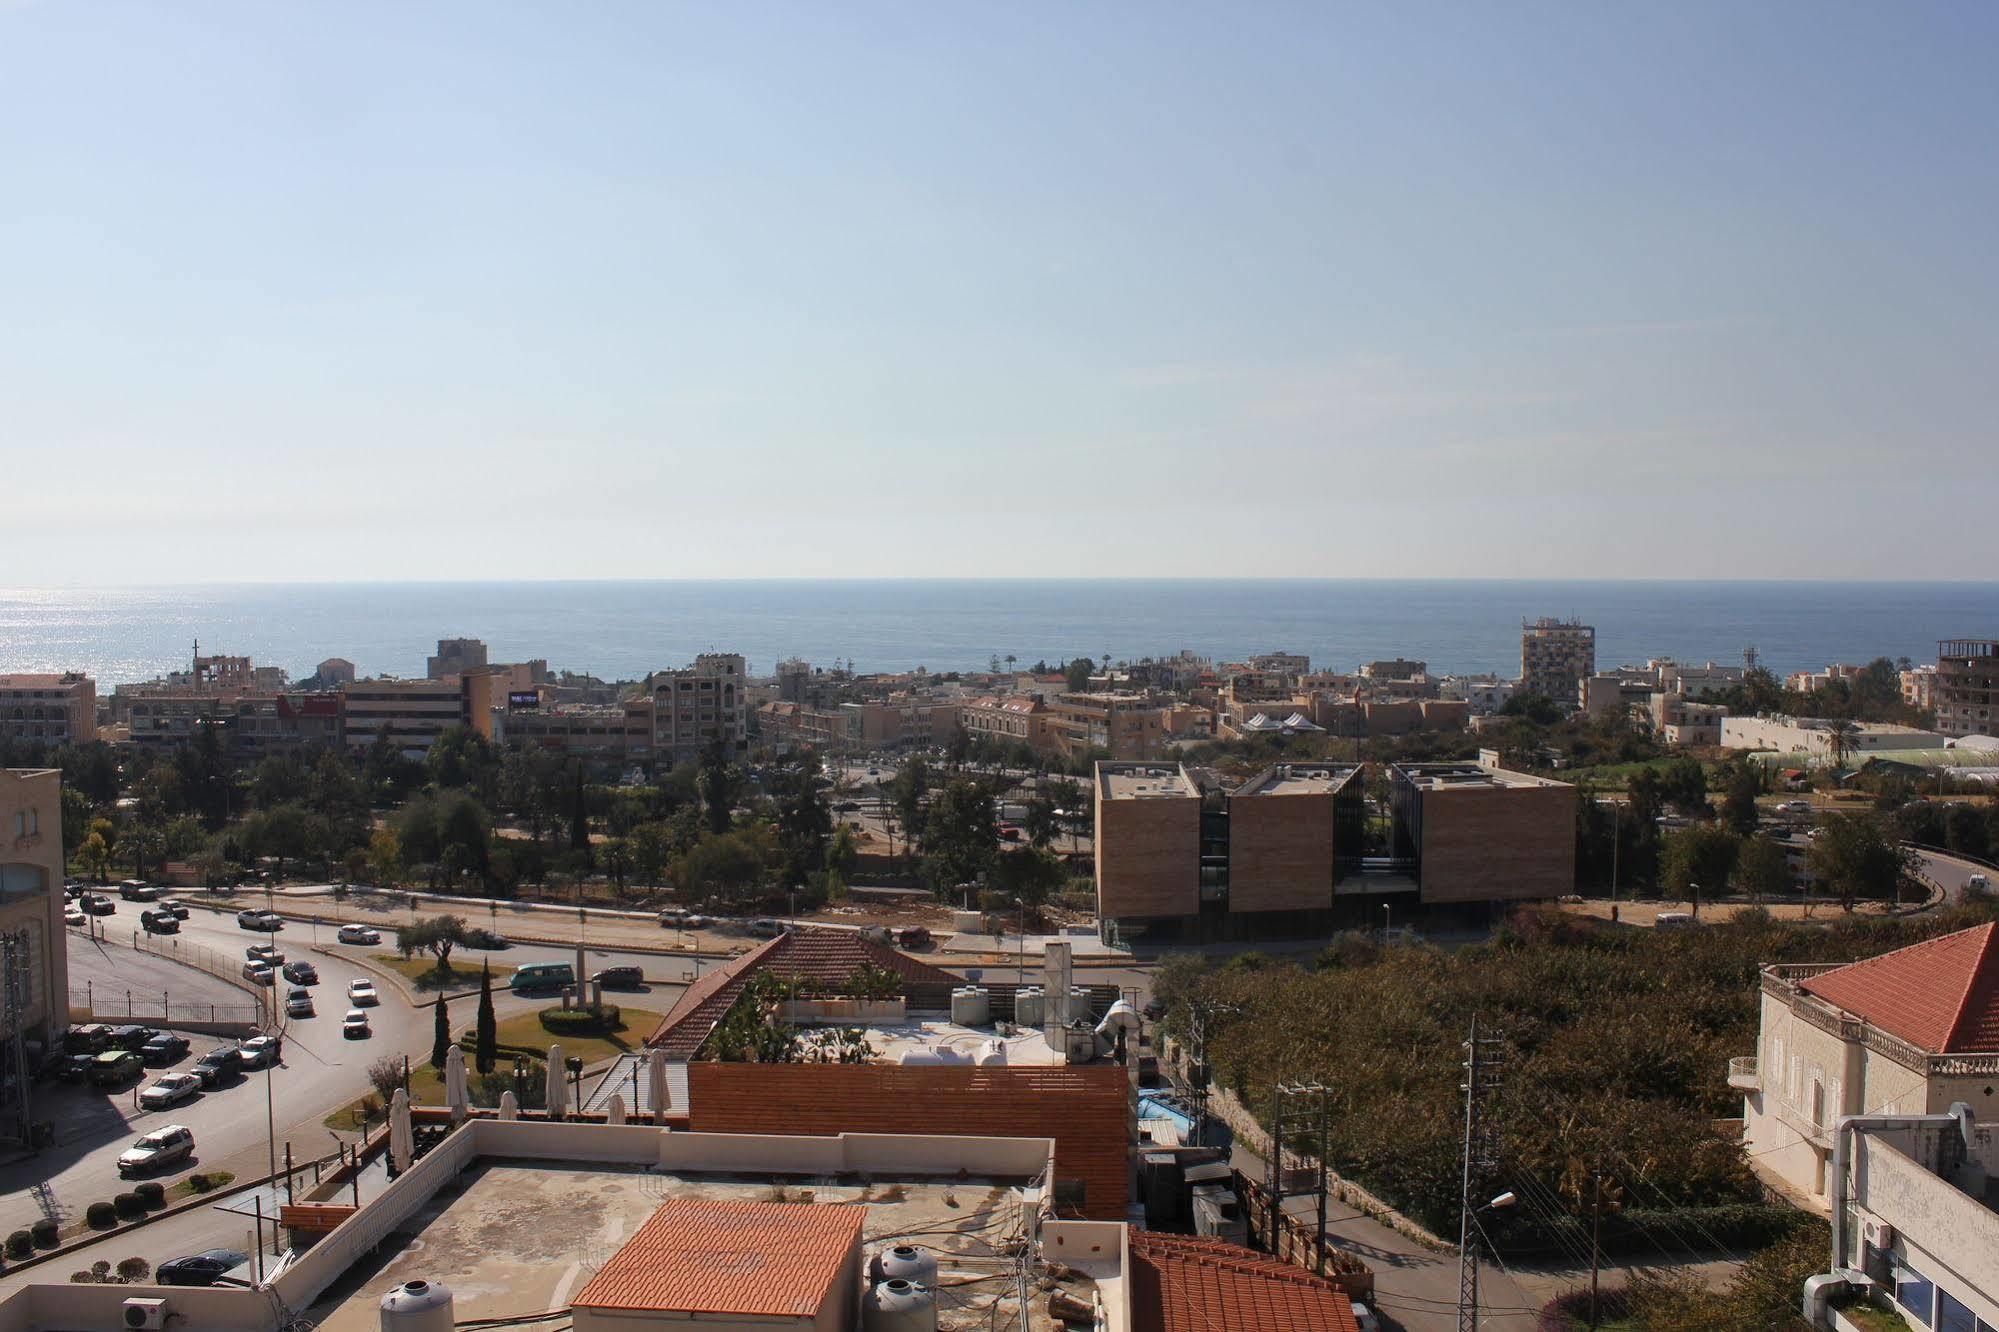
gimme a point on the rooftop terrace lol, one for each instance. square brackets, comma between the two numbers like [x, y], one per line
[1300, 779]
[1143, 781]
[1466, 776]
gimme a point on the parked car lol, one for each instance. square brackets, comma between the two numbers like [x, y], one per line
[482, 938]
[269, 922]
[87, 1038]
[679, 918]
[170, 1090]
[359, 934]
[174, 907]
[257, 973]
[355, 1025]
[218, 1065]
[199, 1269]
[75, 1067]
[913, 936]
[1364, 1319]
[73, 915]
[132, 890]
[269, 954]
[298, 1004]
[301, 973]
[620, 978]
[158, 1149]
[158, 922]
[1794, 807]
[262, 1051]
[132, 1037]
[361, 992]
[764, 927]
[96, 904]
[164, 1048]
[114, 1068]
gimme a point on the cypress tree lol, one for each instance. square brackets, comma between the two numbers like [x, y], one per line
[486, 1041]
[440, 1037]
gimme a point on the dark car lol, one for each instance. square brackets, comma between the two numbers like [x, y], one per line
[482, 938]
[177, 909]
[199, 1269]
[218, 1065]
[132, 1037]
[159, 922]
[88, 1038]
[134, 891]
[76, 1067]
[164, 1048]
[620, 978]
[96, 904]
[915, 936]
[301, 973]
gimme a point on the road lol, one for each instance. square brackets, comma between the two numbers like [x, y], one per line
[1949, 873]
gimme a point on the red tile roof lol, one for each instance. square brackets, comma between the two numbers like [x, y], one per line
[1941, 994]
[828, 956]
[774, 1260]
[1183, 1283]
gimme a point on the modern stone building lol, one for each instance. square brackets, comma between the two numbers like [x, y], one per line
[697, 705]
[1478, 834]
[34, 971]
[1966, 687]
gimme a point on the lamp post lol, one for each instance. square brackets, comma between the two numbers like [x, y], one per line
[1387, 922]
[1468, 1297]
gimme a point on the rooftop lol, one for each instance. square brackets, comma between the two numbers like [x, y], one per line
[1941, 995]
[1178, 1283]
[1300, 779]
[710, 1255]
[1463, 776]
[1143, 781]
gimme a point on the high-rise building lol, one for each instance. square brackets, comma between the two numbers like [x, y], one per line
[697, 705]
[1556, 656]
[1966, 687]
[413, 713]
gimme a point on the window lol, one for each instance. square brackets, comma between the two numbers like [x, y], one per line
[1953, 1316]
[1916, 1294]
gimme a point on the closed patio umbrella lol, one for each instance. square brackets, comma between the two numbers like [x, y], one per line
[558, 1082]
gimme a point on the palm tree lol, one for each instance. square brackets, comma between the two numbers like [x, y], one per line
[1843, 738]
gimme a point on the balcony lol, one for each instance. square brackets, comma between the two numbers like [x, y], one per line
[1742, 1074]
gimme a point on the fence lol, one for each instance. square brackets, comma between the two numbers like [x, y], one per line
[103, 1003]
[225, 966]
[1299, 1243]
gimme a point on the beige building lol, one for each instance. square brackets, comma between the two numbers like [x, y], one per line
[455, 656]
[50, 709]
[614, 733]
[1966, 687]
[1124, 725]
[1471, 833]
[1911, 1032]
[33, 961]
[1556, 656]
[1013, 719]
[1814, 737]
[413, 713]
[697, 705]
[1148, 843]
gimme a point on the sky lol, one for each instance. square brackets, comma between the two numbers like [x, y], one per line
[650, 290]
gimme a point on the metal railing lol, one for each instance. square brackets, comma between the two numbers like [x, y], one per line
[105, 1003]
[225, 966]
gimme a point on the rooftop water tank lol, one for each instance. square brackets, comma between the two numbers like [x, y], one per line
[1122, 1017]
[896, 1305]
[418, 1306]
[904, 1262]
[971, 1006]
[992, 1052]
[1030, 1007]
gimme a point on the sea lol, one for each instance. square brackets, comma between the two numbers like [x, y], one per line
[621, 630]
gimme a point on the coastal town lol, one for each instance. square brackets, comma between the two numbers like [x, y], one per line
[1312, 996]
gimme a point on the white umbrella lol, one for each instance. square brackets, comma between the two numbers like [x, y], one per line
[558, 1082]
[616, 1112]
[656, 1084]
[402, 1142]
[510, 1108]
[454, 1083]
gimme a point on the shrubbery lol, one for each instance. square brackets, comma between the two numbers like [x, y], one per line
[20, 1245]
[45, 1233]
[581, 1021]
[129, 1205]
[151, 1193]
[101, 1215]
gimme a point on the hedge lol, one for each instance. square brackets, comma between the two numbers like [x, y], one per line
[45, 1232]
[581, 1021]
[152, 1193]
[20, 1245]
[129, 1205]
[101, 1215]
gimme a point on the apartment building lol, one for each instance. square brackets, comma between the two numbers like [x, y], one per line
[1966, 687]
[611, 734]
[48, 709]
[32, 945]
[1919, 688]
[1281, 663]
[1011, 719]
[413, 713]
[1123, 725]
[871, 725]
[1486, 694]
[292, 723]
[1556, 656]
[697, 705]
[1470, 833]
[169, 718]
[1255, 859]
[1911, 1032]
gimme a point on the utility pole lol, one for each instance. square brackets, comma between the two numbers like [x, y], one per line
[1298, 1111]
[1481, 1079]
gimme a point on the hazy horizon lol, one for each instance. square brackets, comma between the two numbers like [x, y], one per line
[670, 291]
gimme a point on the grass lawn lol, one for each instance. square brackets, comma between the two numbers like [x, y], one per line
[1875, 1320]
[426, 1088]
[635, 1024]
[422, 971]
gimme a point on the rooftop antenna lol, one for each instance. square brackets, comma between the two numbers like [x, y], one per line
[1749, 657]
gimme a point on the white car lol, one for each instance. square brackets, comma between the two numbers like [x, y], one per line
[1795, 807]
[170, 1090]
[1364, 1318]
[361, 991]
[74, 916]
[355, 1025]
[359, 934]
[161, 1147]
[261, 1050]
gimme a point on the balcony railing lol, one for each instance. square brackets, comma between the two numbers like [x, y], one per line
[1743, 1075]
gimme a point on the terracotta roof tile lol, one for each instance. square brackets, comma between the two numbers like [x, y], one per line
[820, 955]
[1182, 1283]
[1941, 994]
[774, 1260]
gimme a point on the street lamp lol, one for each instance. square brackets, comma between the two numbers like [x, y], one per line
[1387, 922]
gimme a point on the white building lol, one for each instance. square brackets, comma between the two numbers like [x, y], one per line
[1813, 736]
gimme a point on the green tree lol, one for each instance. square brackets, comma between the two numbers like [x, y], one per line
[1076, 675]
[1040, 822]
[724, 865]
[486, 1027]
[843, 855]
[959, 837]
[460, 757]
[721, 785]
[440, 1036]
[804, 823]
[436, 935]
[1762, 869]
[1841, 737]
[1741, 784]
[95, 854]
[76, 816]
[1031, 874]
[385, 857]
[1851, 857]
[1697, 859]
[278, 780]
[462, 827]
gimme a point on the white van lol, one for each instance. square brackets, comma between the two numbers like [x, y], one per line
[1673, 920]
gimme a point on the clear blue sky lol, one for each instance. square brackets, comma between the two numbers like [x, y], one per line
[484, 290]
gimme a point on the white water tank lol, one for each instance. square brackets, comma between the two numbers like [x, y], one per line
[418, 1306]
[971, 1006]
[896, 1305]
[992, 1052]
[904, 1262]
[1122, 1017]
[1030, 1006]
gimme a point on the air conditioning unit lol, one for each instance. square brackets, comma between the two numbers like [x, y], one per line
[142, 1312]
[1878, 1235]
